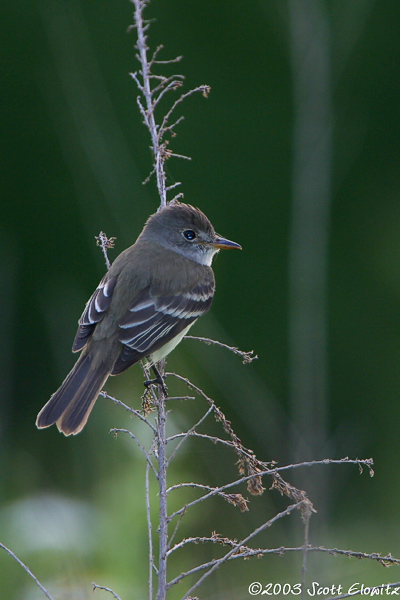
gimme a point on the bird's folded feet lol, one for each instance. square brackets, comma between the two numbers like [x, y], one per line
[158, 380]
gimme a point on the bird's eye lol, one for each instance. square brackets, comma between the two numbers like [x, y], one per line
[189, 234]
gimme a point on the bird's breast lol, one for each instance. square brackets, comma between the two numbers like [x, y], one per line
[158, 355]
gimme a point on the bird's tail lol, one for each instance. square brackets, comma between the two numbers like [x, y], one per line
[71, 404]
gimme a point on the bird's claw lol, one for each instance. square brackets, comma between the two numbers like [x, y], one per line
[158, 380]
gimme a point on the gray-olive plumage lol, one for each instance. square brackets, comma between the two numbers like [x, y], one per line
[152, 294]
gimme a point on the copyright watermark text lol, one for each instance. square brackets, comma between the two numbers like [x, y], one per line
[316, 589]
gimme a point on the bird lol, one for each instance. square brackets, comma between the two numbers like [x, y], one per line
[152, 294]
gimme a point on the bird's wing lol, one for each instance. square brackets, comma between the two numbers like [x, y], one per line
[153, 321]
[94, 311]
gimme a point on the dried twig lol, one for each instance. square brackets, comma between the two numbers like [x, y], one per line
[177, 525]
[149, 532]
[27, 569]
[214, 491]
[235, 499]
[106, 589]
[116, 431]
[245, 552]
[233, 550]
[129, 409]
[105, 243]
[262, 469]
[279, 483]
[247, 459]
[187, 434]
[361, 462]
[152, 96]
[385, 561]
[306, 518]
[204, 89]
[162, 490]
[247, 357]
[215, 539]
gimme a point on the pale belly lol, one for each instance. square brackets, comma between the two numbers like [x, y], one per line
[167, 348]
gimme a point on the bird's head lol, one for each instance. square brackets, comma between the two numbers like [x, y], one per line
[186, 230]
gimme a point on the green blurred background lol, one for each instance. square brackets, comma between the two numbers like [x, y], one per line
[296, 156]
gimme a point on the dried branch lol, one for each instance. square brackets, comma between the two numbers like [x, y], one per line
[204, 436]
[298, 496]
[145, 89]
[258, 552]
[236, 499]
[169, 398]
[27, 569]
[233, 550]
[165, 81]
[215, 539]
[246, 552]
[173, 185]
[177, 525]
[189, 433]
[105, 243]
[172, 127]
[247, 459]
[255, 468]
[152, 96]
[278, 483]
[169, 154]
[176, 198]
[204, 89]
[246, 356]
[149, 532]
[128, 408]
[116, 431]
[163, 62]
[172, 86]
[385, 561]
[306, 519]
[162, 490]
[360, 462]
[213, 491]
[101, 587]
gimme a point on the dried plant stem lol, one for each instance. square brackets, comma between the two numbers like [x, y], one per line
[361, 462]
[247, 357]
[105, 243]
[307, 516]
[212, 492]
[150, 98]
[149, 532]
[189, 433]
[162, 488]
[237, 546]
[116, 431]
[242, 552]
[106, 589]
[27, 569]
[148, 113]
[129, 409]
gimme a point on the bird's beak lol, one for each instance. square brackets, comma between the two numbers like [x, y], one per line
[220, 242]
